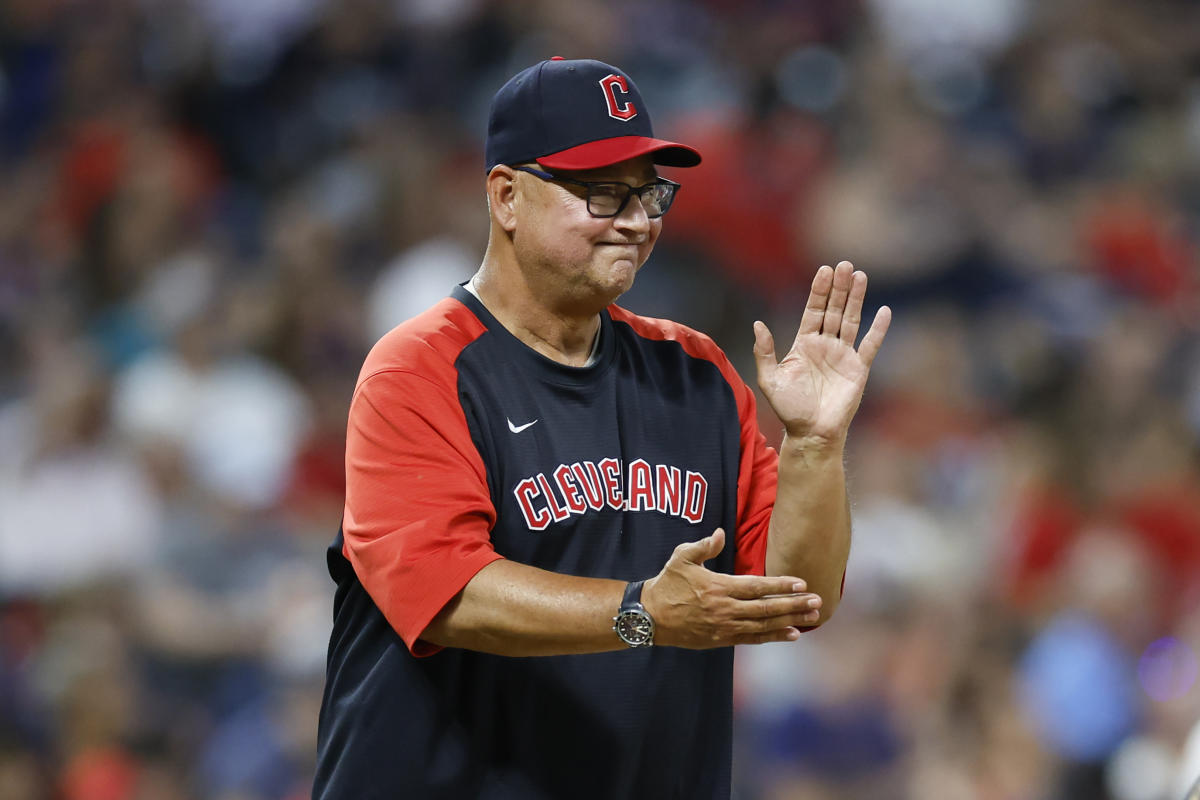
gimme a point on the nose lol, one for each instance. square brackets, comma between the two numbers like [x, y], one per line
[633, 217]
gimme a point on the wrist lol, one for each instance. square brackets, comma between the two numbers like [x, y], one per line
[633, 624]
[812, 448]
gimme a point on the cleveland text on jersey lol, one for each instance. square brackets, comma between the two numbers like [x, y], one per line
[592, 486]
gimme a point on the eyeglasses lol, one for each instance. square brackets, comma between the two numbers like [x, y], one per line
[609, 198]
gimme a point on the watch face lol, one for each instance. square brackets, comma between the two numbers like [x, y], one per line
[634, 627]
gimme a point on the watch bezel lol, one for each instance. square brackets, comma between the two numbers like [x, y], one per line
[623, 624]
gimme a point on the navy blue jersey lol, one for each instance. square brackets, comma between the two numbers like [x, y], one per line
[465, 446]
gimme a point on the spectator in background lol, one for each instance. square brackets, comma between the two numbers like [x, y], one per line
[57, 444]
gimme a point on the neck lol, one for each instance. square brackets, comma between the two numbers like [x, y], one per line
[565, 335]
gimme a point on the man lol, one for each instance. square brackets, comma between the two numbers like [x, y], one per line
[559, 515]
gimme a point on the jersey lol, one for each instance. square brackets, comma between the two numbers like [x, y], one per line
[465, 446]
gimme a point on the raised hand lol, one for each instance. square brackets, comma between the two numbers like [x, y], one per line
[697, 608]
[819, 384]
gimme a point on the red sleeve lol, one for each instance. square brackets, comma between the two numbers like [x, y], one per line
[418, 510]
[758, 476]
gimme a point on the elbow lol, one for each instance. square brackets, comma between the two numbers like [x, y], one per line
[441, 630]
[455, 626]
[828, 607]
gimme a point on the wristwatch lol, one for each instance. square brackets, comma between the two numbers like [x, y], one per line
[632, 623]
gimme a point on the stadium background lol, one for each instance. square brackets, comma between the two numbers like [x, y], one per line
[209, 209]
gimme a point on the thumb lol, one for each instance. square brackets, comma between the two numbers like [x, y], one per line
[699, 552]
[764, 352]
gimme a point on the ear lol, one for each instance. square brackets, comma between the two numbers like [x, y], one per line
[502, 196]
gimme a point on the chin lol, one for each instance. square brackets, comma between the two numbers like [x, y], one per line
[621, 281]
[624, 270]
[605, 282]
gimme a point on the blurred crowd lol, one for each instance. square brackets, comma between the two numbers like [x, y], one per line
[210, 209]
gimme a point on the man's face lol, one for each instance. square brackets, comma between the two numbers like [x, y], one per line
[588, 259]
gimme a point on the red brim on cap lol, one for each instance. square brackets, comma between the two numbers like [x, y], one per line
[603, 152]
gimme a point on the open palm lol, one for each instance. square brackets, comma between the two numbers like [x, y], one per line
[819, 384]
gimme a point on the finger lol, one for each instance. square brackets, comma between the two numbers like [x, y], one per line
[752, 587]
[764, 353]
[700, 551]
[854, 304]
[874, 338]
[843, 278]
[818, 298]
[774, 607]
[770, 624]
[783, 635]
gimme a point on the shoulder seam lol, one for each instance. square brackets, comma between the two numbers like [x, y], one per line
[702, 346]
[695, 344]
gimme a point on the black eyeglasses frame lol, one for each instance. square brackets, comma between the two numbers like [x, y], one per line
[630, 190]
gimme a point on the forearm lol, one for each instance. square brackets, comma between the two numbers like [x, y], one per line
[810, 525]
[513, 609]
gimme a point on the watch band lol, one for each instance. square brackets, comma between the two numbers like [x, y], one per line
[632, 601]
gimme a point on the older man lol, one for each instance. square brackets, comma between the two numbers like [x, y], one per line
[561, 515]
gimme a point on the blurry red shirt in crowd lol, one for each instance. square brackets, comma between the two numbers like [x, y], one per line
[745, 204]
[99, 154]
[100, 774]
[1164, 518]
[1133, 242]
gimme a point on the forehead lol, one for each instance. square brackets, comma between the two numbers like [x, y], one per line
[633, 171]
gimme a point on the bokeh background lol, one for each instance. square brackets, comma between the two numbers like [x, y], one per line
[209, 210]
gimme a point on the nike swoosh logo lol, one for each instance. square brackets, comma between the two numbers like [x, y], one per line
[519, 428]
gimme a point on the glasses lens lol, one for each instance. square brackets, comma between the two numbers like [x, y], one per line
[606, 199]
[657, 198]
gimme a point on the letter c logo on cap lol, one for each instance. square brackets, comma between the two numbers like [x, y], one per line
[617, 109]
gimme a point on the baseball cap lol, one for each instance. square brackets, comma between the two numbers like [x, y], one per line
[575, 114]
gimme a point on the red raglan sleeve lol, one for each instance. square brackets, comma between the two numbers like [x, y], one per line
[418, 511]
[758, 476]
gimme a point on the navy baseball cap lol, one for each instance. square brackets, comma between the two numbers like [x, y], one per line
[575, 114]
